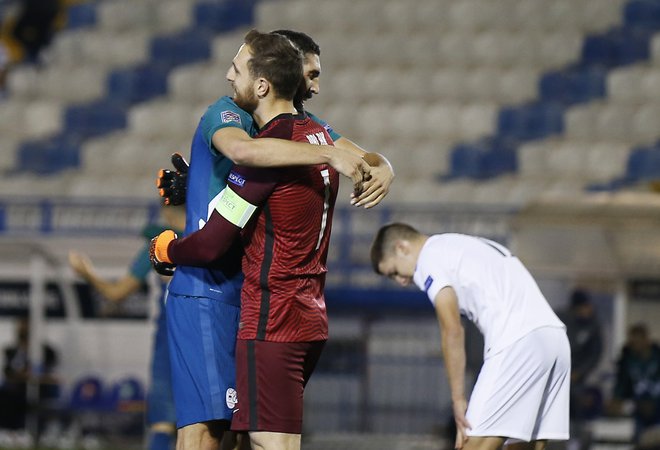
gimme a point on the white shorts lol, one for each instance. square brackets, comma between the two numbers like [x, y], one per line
[522, 392]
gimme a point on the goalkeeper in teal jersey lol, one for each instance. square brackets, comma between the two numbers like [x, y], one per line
[203, 303]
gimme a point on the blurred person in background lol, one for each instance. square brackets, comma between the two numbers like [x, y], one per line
[585, 335]
[160, 415]
[18, 372]
[521, 397]
[638, 380]
[35, 25]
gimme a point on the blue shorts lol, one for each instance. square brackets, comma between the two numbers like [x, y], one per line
[202, 337]
[160, 402]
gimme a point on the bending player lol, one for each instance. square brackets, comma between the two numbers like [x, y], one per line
[522, 392]
[284, 217]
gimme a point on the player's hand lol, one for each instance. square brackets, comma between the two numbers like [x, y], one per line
[172, 184]
[80, 263]
[462, 424]
[158, 253]
[352, 166]
[377, 186]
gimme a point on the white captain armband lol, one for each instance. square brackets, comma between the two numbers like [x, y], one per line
[234, 208]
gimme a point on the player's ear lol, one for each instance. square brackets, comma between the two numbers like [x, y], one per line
[401, 247]
[262, 86]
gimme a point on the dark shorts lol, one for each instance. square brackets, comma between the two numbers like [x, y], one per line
[270, 380]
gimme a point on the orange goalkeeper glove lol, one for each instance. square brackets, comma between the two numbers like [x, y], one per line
[158, 253]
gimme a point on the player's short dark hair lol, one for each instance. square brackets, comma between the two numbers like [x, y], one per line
[301, 40]
[384, 240]
[274, 58]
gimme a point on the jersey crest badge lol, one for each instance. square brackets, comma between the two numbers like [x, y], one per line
[230, 116]
[231, 398]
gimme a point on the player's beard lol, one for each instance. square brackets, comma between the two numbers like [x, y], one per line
[302, 95]
[247, 101]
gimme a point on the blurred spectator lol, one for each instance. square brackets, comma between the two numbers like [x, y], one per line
[638, 379]
[18, 371]
[584, 334]
[35, 25]
[160, 415]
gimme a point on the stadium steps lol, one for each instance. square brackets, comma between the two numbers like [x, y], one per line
[555, 112]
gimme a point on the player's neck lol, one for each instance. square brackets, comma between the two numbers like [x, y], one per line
[268, 109]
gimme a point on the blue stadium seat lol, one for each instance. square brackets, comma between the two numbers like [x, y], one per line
[483, 159]
[531, 121]
[181, 48]
[644, 164]
[126, 395]
[139, 83]
[500, 158]
[616, 48]
[81, 15]
[88, 394]
[48, 156]
[225, 15]
[642, 14]
[569, 87]
[465, 161]
[94, 118]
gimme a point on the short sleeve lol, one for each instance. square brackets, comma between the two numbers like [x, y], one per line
[430, 276]
[222, 114]
[333, 134]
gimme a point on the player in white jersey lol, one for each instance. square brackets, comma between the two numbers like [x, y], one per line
[521, 396]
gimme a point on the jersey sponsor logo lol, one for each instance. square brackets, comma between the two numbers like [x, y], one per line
[236, 179]
[231, 398]
[427, 283]
[316, 139]
[230, 116]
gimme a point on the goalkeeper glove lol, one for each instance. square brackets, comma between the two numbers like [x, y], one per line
[172, 184]
[158, 253]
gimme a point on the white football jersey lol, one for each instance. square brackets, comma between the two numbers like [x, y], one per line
[494, 289]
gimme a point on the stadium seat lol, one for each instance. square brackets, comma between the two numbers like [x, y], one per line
[183, 47]
[644, 14]
[81, 15]
[530, 121]
[225, 15]
[94, 118]
[164, 118]
[138, 83]
[48, 155]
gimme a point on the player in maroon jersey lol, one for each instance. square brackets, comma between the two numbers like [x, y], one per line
[284, 218]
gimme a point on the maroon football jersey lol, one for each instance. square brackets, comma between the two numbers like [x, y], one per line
[286, 244]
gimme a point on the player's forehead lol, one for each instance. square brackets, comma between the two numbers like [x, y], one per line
[242, 56]
[311, 63]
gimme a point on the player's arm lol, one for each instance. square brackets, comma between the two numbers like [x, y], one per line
[233, 211]
[114, 290]
[376, 187]
[244, 150]
[453, 351]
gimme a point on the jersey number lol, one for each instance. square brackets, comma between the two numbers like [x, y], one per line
[326, 205]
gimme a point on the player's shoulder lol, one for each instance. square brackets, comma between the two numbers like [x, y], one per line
[225, 110]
